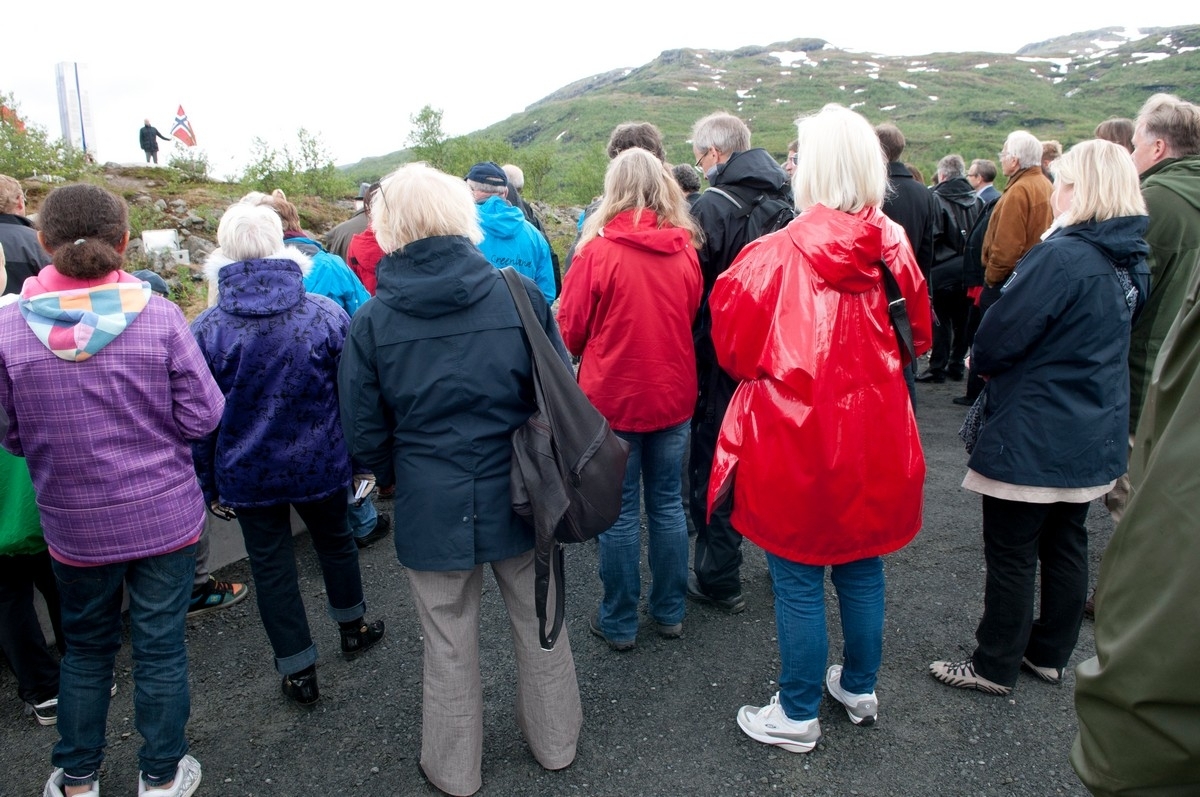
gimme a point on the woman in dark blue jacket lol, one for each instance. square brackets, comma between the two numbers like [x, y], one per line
[1055, 416]
[274, 350]
[435, 378]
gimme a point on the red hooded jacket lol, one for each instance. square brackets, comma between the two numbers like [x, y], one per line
[627, 307]
[819, 444]
[363, 255]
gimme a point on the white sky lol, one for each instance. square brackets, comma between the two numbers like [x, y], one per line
[355, 72]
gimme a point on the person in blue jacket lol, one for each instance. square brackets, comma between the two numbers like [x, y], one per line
[508, 239]
[1055, 416]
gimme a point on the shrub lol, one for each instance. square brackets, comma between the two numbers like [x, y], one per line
[192, 162]
[308, 171]
[26, 150]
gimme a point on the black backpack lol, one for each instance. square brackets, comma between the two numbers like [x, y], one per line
[764, 213]
[973, 251]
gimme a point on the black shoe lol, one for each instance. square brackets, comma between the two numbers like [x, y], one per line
[963, 401]
[383, 524]
[360, 637]
[957, 374]
[734, 604]
[301, 688]
[936, 377]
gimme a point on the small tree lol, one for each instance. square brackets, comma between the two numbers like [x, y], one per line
[309, 171]
[26, 150]
[192, 161]
[427, 140]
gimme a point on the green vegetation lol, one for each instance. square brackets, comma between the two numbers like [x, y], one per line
[26, 150]
[976, 106]
[306, 171]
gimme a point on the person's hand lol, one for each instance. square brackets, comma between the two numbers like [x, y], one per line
[364, 485]
[222, 511]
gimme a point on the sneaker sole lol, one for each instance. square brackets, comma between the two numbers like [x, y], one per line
[235, 600]
[1036, 672]
[971, 683]
[862, 722]
[785, 744]
[48, 722]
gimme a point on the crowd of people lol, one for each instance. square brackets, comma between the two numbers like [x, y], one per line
[755, 344]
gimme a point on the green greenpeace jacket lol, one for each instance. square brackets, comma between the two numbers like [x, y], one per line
[20, 524]
[1139, 699]
[1172, 192]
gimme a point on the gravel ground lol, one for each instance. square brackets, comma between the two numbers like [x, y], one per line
[657, 721]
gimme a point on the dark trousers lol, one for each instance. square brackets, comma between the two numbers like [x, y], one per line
[718, 559]
[21, 636]
[989, 297]
[950, 334]
[268, 535]
[1016, 537]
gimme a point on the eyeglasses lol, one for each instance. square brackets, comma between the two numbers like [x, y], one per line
[1003, 154]
[701, 158]
[972, 174]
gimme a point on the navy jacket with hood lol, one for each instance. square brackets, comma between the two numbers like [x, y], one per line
[274, 351]
[1056, 349]
[436, 376]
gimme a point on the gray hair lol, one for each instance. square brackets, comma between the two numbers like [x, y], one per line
[1175, 121]
[950, 167]
[721, 131]
[516, 177]
[248, 231]
[1025, 147]
[486, 188]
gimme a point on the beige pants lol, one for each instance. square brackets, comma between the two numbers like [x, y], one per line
[549, 713]
[1118, 497]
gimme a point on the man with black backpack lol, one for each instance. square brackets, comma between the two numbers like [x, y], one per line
[959, 208]
[748, 197]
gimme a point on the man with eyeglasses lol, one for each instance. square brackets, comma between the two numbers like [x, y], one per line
[981, 175]
[24, 256]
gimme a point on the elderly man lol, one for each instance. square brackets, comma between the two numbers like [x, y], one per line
[738, 175]
[508, 239]
[1022, 214]
[981, 175]
[25, 256]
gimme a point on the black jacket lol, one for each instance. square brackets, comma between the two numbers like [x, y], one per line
[434, 378]
[958, 210]
[149, 136]
[24, 256]
[912, 206]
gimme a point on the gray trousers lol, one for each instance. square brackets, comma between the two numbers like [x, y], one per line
[548, 709]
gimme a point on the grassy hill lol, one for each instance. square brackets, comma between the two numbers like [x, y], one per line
[944, 102]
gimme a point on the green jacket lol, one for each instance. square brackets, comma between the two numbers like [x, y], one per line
[1139, 699]
[1172, 191]
[20, 524]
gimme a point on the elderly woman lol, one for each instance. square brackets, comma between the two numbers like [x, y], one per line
[274, 348]
[627, 308]
[436, 376]
[1055, 416]
[105, 388]
[819, 448]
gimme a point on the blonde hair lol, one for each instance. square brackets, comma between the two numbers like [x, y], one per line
[1105, 181]
[840, 163]
[417, 201]
[637, 180]
[10, 194]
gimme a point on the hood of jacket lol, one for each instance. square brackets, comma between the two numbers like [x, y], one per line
[845, 249]
[754, 168]
[435, 276]
[644, 233]
[77, 322]
[958, 191]
[1120, 239]
[259, 287]
[1179, 175]
[500, 219]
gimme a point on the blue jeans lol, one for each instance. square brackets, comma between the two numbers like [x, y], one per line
[160, 588]
[803, 641]
[362, 518]
[268, 534]
[655, 460]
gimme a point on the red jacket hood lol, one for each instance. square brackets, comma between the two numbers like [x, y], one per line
[845, 249]
[642, 232]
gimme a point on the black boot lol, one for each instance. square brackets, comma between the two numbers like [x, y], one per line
[358, 636]
[301, 687]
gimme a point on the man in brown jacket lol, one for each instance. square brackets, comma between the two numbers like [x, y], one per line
[1022, 214]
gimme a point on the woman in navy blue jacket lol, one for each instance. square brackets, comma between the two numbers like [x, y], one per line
[274, 349]
[435, 377]
[1055, 349]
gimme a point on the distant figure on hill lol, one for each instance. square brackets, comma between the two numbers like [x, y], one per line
[149, 137]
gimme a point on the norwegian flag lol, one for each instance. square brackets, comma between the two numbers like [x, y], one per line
[182, 129]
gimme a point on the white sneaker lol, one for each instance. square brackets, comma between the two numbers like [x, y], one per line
[861, 709]
[187, 780]
[54, 786]
[770, 725]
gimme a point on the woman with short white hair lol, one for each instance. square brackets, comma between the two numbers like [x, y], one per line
[435, 378]
[1054, 416]
[819, 448]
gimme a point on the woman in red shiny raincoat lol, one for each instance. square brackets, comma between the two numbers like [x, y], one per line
[819, 448]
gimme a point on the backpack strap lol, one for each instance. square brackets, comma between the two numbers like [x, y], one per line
[744, 207]
[898, 312]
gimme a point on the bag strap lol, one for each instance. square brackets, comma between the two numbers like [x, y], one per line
[542, 352]
[898, 311]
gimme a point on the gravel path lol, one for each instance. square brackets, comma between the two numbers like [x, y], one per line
[657, 721]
